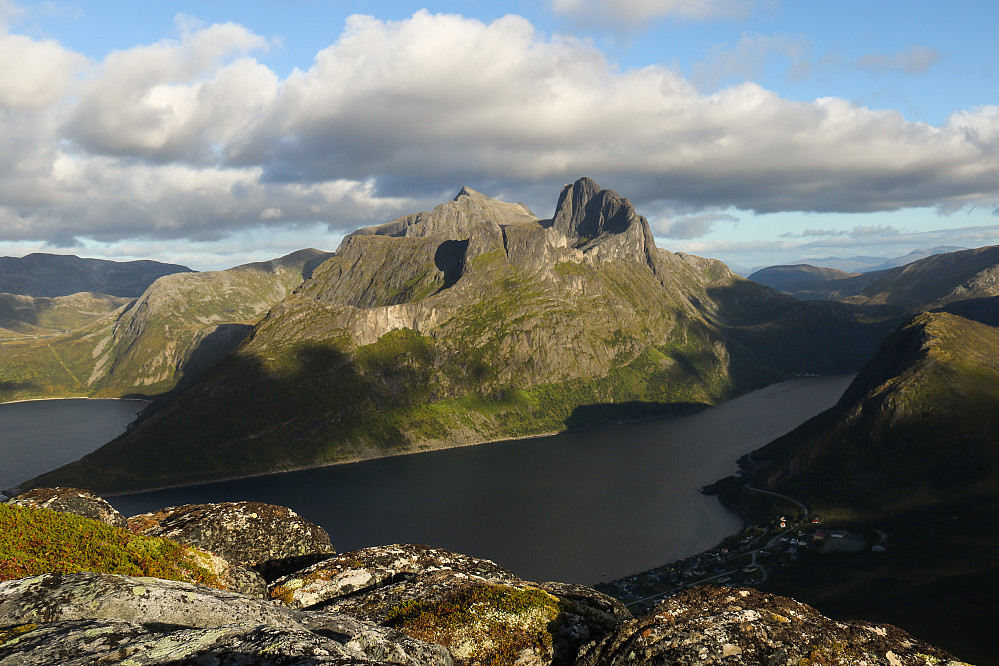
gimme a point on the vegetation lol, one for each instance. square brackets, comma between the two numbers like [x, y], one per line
[35, 541]
[485, 624]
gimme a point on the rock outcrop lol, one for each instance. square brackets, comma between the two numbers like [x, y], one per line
[108, 619]
[272, 540]
[707, 624]
[77, 501]
[408, 605]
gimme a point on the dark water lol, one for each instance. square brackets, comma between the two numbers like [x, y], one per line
[572, 507]
[39, 435]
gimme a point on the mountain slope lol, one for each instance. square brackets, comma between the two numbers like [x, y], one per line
[53, 275]
[478, 321]
[911, 449]
[26, 316]
[179, 327]
[917, 428]
[806, 282]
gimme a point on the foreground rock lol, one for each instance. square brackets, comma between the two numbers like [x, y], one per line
[273, 540]
[77, 501]
[742, 626]
[103, 618]
[480, 611]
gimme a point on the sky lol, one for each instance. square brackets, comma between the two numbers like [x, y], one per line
[759, 132]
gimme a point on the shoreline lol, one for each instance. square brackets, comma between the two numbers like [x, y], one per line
[73, 397]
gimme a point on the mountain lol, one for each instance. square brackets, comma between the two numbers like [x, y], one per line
[807, 282]
[867, 264]
[53, 275]
[911, 449]
[180, 326]
[478, 321]
[30, 316]
[918, 427]
[949, 280]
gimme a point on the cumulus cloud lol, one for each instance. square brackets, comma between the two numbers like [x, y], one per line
[914, 60]
[194, 137]
[636, 11]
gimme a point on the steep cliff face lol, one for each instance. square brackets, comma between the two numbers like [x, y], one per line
[180, 326]
[472, 322]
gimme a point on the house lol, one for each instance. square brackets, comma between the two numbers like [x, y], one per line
[838, 534]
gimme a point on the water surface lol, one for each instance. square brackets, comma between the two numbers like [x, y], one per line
[38, 436]
[578, 507]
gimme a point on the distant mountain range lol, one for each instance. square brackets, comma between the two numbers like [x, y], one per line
[864, 264]
[53, 275]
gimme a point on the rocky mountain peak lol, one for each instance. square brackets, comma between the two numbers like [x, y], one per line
[602, 223]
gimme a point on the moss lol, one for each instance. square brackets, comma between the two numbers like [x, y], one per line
[36, 541]
[487, 624]
[11, 633]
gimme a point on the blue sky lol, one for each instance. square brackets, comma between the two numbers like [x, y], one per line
[759, 132]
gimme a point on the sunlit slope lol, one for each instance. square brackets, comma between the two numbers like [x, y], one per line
[478, 321]
[181, 324]
[919, 426]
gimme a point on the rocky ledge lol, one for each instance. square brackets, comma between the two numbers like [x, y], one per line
[400, 604]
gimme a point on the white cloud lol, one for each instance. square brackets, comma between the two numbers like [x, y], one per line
[195, 138]
[636, 11]
[748, 58]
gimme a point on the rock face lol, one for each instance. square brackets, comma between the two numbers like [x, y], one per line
[106, 619]
[272, 540]
[77, 501]
[741, 626]
[420, 590]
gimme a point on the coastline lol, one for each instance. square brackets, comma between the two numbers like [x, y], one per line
[72, 397]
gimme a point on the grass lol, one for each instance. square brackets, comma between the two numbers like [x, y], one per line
[36, 541]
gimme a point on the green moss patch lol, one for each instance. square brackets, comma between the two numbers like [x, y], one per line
[486, 624]
[37, 541]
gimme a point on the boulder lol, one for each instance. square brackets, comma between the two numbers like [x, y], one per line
[273, 540]
[708, 624]
[71, 500]
[377, 566]
[88, 618]
[475, 608]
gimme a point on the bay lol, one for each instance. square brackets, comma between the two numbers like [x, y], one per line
[580, 506]
[38, 436]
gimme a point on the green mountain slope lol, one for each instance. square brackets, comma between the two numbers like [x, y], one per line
[911, 449]
[918, 427]
[29, 316]
[179, 327]
[478, 321]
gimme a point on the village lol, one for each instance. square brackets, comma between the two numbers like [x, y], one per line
[743, 560]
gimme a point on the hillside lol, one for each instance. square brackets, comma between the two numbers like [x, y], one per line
[52, 275]
[806, 282]
[180, 326]
[478, 321]
[918, 427]
[911, 449]
[29, 316]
